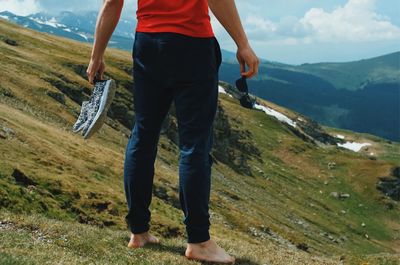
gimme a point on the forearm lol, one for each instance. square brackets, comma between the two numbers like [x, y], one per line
[226, 13]
[105, 26]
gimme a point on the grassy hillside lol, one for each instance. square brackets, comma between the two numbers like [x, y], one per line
[61, 198]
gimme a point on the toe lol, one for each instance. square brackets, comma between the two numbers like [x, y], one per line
[133, 244]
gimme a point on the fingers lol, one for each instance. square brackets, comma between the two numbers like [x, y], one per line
[242, 66]
[247, 57]
[101, 71]
[93, 69]
[90, 76]
[253, 69]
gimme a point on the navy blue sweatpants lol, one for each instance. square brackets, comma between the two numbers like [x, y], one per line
[171, 67]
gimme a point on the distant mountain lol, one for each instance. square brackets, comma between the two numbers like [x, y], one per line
[79, 27]
[358, 74]
[363, 95]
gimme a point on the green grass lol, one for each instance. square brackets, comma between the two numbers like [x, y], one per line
[78, 191]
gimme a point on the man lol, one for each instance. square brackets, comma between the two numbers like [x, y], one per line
[176, 58]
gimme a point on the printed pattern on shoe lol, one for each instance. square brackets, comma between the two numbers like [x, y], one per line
[95, 100]
[101, 100]
[80, 123]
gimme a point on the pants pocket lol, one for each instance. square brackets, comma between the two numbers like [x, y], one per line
[218, 52]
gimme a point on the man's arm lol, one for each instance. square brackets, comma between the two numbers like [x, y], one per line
[107, 21]
[226, 13]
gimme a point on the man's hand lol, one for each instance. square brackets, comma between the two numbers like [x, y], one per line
[246, 56]
[95, 67]
[106, 22]
[226, 13]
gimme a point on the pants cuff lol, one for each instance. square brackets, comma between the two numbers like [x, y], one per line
[197, 236]
[137, 229]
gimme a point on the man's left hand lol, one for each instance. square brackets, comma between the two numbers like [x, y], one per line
[246, 56]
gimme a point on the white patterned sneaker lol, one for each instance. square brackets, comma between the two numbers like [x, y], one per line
[80, 123]
[100, 101]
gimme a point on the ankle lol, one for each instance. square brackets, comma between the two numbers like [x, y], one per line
[141, 233]
[200, 244]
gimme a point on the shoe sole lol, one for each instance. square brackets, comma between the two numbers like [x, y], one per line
[101, 114]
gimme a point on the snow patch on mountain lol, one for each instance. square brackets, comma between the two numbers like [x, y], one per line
[353, 145]
[223, 91]
[339, 136]
[281, 117]
[52, 22]
[83, 36]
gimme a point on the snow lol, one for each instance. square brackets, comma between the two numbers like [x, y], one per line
[222, 90]
[83, 36]
[353, 146]
[281, 117]
[52, 22]
[68, 30]
[339, 136]
[5, 17]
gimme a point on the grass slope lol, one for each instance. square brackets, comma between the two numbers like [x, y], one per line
[270, 193]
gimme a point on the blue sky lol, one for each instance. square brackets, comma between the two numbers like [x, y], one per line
[292, 31]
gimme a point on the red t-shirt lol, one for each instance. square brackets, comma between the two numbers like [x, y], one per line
[188, 17]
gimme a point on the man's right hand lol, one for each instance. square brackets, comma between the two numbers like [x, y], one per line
[246, 56]
[95, 66]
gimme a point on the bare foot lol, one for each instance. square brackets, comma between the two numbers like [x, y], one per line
[208, 251]
[139, 240]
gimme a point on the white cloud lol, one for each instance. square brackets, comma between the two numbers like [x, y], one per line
[258, 28]
[20, 7]
[355, 22]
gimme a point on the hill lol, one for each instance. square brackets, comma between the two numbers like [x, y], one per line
[282, 194]
[362, 96]
[334, 94]
[356, 75]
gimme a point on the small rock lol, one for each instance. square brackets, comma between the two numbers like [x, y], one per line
[339, 195]
[335, 194]
[11, 42]
[6, 133]
[344, 195]
[363, 225]
[31, 188]
[331, 165]
[303, 246]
